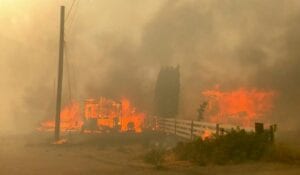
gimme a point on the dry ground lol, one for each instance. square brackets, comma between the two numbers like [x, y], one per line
[96, 155]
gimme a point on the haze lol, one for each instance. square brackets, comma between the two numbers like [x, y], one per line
[116, 48]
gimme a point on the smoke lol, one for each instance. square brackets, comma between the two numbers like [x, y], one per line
[282, 76]
[116, 49]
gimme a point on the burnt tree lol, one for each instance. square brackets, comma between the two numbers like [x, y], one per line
[167, 92]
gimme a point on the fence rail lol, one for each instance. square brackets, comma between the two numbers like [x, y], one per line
[190, 129]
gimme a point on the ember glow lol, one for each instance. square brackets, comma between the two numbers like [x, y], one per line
[98, 115]
[240, 107]
[206, 134]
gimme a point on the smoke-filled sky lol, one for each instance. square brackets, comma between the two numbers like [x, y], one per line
[116, 48]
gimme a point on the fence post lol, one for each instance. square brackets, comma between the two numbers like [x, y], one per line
[175, 125]
[162, 123]
[157, 124]
[272, 132]
[217, 129]
[259, 128]
[192, 129]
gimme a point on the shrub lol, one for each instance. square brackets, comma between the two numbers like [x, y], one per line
[234, 147]
[155, 157]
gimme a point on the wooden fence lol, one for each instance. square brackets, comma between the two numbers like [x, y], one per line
[190, 129]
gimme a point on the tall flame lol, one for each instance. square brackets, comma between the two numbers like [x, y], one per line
[129, 115]
[240, 107]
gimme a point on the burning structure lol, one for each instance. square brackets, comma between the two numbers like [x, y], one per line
[99, 115]
[106, 113]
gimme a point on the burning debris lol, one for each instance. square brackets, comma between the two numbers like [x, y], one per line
[206, 134]
[99, 115]
[241, 107]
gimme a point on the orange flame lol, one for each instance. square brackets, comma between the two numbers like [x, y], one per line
[206, 134]
[105, 112]
[60, 142]
[111, 114]
[240, 107]
[129, 115]
[69, 117]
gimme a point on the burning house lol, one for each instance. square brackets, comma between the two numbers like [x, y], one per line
[103, 112]
[99, 115]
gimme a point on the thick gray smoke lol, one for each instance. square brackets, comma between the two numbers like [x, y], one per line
[116, 49]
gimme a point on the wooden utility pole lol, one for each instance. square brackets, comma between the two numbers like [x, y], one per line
[60, 72]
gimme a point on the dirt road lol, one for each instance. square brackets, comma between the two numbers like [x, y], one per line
[93, 155]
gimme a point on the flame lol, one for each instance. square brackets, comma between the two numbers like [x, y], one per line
[60, 142]
[241, 107]
[104, 113]
[129, 115]
[111, 114]
[206, 134]
[69, 117]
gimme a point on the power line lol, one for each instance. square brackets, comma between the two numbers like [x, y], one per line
[72, 13]
[70, 10]
[73, 18]
[68, 73]
[69, 20]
